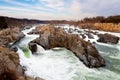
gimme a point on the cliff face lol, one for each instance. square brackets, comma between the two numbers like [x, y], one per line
[51, 37]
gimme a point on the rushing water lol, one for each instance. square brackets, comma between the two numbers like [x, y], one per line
[62, 64]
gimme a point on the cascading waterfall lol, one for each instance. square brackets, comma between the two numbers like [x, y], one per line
[62, 64]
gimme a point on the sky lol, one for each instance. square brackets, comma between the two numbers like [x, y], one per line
[58, 9]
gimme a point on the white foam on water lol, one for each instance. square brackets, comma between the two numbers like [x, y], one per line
[40, 49]
[61, 65]
[28, 38]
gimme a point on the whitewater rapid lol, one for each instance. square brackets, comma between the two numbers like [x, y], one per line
[62, 64]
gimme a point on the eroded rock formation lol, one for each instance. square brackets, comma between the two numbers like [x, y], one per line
[51, 37]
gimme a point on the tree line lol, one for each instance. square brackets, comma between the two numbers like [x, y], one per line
[101, 19]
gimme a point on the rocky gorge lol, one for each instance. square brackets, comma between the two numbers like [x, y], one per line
[50, 37]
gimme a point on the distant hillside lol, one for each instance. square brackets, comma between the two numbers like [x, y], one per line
[111, 23]
[14, 22]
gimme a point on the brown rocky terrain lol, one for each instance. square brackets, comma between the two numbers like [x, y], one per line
[51, 37]
[10, 35]
[10, 68]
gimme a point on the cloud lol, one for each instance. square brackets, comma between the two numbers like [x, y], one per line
[101, 7]
[57, 5]
[75, 7]
[25, 13]
[59, 9]
[54, 3]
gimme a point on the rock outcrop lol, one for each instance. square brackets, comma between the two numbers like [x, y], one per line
[10, 68]
[51, 37]
[10, 35]
[108, 38]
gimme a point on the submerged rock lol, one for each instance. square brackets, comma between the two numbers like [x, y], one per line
[51, 37]
[90, 36]
[108, 38]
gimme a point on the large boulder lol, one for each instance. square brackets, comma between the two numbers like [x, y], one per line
[51, 37]
[10, 69]
[10, 35]
[108, 38]
[33, 47]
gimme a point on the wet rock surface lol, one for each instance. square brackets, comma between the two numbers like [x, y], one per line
[51, 37]
[33, 47]
[108, 38]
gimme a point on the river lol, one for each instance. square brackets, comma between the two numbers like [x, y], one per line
[62, 64]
